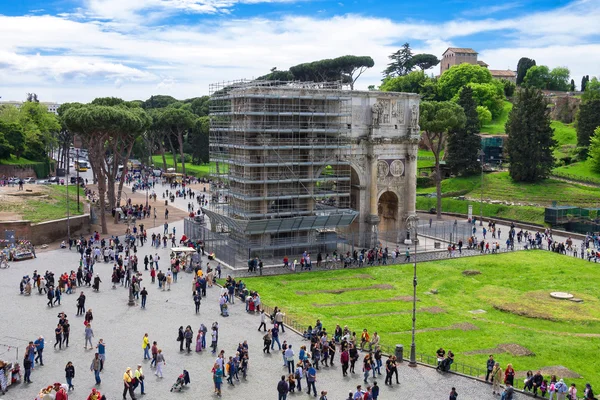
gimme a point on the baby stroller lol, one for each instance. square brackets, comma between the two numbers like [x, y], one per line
[225, 311]
[181, 381]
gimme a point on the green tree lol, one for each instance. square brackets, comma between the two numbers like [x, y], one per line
[456, 77]
[401, 62]
[199, 140]
[594, 151]
[538, 77]
[177, 122]
[490, 95]
[346, 69]
[572, 88]
[98, 125]
[522, 68]
[5, 147]
[584, 80]
[484, 115]
[411, 83]
[509, 87]
[437, 121]
[559, 79]
[464, 142]
[200, 106]
[423, 61]
[592, 90]
[588, 119]
[13, 134]
[530, 138]
[158, 101]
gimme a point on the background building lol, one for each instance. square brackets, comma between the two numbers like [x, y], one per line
[456, 56]
[51, 106]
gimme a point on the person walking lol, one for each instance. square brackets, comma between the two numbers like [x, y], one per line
[39, 347]
[146, 346]
[262, 321]
[128, 384]
[160, 362]
[139, 378]
[70, 375]
[27, 364]
[217, 378]
[197, 301]
[180, 338]
[81, 304]
[154, 354]
[283, 388]
[275, 337]
[144, 294]
[279, 320]
[66, 332]
[95, 368]
[101, 347]
[58, 334]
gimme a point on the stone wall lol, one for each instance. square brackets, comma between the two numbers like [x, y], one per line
[16, 170]
[47, 232]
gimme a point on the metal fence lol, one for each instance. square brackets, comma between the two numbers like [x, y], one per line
[224, 248]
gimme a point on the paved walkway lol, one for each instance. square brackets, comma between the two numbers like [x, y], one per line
[122, 328]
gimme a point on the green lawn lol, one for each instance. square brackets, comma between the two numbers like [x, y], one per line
[566, 136]
[51, 207]
[191, 169]
[429, 161]
[534, 215]
[513, 290]
[579, 170]
[497, 125]
[499, 186]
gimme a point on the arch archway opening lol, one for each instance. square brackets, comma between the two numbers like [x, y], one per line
[387, 209]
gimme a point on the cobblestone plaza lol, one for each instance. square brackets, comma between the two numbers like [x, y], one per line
[122, 328]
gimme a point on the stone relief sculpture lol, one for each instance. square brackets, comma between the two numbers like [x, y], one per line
[382, 169]
[414, 117]
[377, 110]
[397, 168]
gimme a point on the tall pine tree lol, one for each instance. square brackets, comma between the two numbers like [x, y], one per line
[530, 138]
[464, 143]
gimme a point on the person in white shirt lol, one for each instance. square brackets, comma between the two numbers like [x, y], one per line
[289, 358]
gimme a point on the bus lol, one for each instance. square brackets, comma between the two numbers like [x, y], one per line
[81, 165]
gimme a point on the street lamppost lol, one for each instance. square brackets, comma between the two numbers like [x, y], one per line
[481, 154]
[77, 169]
[412, 224]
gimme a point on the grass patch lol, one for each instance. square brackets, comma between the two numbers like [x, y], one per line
[198, 171]
[499, 186]
[579, 171]
[566, 136]
[534, 215]
[16, 161]
[52, 205]
[497, 125]
[515, 282]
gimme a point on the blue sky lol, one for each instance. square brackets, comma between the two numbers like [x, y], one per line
[75, 50]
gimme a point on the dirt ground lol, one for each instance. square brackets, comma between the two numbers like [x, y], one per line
[11, 199]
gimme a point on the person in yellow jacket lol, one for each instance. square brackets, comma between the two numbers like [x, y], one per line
[146, 346]
[139, 378]
[128, 383]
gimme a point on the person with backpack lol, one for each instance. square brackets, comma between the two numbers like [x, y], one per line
[453, 394]
[561, 390]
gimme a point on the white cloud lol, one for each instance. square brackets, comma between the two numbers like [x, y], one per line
[91, 56]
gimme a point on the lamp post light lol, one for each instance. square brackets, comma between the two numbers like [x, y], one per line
[481, 154]
[412, 224]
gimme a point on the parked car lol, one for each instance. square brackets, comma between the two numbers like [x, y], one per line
[29, 180]
[54, 179]
[44, 182]
[73, 180]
